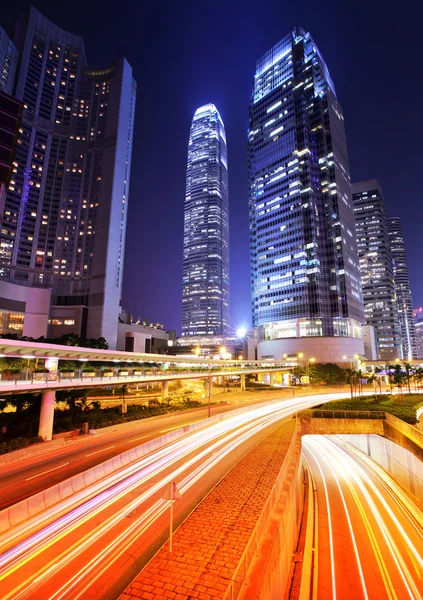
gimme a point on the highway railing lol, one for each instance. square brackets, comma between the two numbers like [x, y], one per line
[348, 414]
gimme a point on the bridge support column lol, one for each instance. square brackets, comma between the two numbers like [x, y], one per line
[165, 390]
[242, 382]
[45, 428]
[271, 379]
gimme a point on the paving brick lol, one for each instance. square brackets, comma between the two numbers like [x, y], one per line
[210, 543]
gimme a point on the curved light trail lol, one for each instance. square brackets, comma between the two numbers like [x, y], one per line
[63, 553]
[375, 544]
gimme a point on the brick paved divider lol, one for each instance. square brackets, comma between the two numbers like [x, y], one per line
[29, 508]
[209, 546]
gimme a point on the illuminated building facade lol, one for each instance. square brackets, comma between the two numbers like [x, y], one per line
[64, 217]
[418, 322]
[8, 62]
[205, 288]
[305, 278]
[402, 288]
[380, 308]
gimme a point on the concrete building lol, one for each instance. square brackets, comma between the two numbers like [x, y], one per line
[205, 285]
[10, 120]
[64, 216]
[380, 308]
[137, 337]
[305, 279]
[402, 288]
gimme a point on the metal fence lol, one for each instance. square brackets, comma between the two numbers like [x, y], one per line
[244, 566]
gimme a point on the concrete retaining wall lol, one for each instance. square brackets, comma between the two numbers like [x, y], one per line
[404, 466]
[311, 425]
[45, 500]
[269, 576]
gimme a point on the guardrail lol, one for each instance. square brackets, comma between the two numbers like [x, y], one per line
[349, 414]
[247, 558]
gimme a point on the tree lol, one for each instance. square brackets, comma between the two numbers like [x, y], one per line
[409, 372]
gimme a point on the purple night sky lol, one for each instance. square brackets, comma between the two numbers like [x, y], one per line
[185, 54]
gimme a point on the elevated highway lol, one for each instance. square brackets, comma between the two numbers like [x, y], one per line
[171, 368]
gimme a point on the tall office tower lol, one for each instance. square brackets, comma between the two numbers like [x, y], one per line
[8, 62]
[380, 309]
[418, 323]
[205, 287]
[402, 288]
[65, 213]
[304, 265]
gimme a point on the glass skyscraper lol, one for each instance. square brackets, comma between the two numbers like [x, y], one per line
[304, 263]
[380, 307]
[64, 218]
[205, 288]
[402, 289]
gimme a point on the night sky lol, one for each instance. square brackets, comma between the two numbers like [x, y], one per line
[185, 54]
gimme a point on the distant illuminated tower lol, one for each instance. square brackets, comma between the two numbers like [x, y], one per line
[402, 288]
[205, 289]
[380, 308]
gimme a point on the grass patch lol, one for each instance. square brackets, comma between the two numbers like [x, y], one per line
[403, 406]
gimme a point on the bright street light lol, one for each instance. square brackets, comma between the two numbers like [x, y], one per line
[241, 331]
[300, 355]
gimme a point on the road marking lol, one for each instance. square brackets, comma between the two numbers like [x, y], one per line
[97, 451]
[140, 438]
[45, 472]
[171, 428]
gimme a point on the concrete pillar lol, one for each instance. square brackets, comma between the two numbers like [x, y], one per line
[165, 390]
[260, 377]
[271, 379]
[242, 382]
[45, 428]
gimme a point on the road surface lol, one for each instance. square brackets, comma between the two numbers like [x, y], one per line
[369, 546]
[34, 474]
[92, 544]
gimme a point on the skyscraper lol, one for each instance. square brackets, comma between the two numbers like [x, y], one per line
[205, 288]
[8, 62]
[305, 277]
[402, 289]
[380, 308]
[64, 218]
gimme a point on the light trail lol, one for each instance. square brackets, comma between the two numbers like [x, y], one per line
[374, 515]
[199, 452]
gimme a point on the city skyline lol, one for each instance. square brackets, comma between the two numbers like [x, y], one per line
[160, 304]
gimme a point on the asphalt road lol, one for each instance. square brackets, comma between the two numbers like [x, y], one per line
[369, 545]
[33, 474]
[93, 543]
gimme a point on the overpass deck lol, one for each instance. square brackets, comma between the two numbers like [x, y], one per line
[52, 382]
